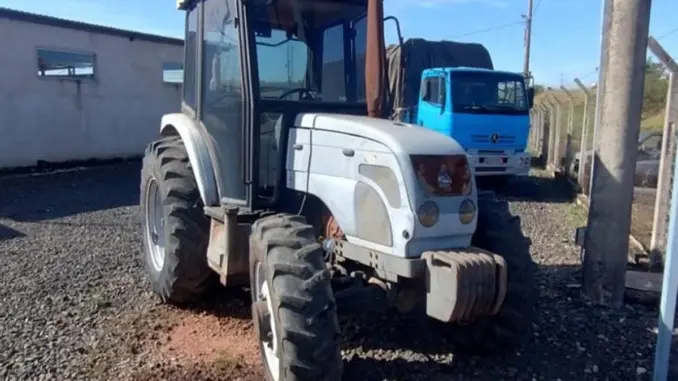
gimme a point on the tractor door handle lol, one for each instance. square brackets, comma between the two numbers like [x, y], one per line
[348, 152]
[298, 147]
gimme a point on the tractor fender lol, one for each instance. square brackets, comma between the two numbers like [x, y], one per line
[198, 153]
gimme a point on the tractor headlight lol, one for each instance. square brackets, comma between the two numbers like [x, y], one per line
[428, 214]
[467, 211]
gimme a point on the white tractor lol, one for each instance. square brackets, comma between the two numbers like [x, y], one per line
[274, 177]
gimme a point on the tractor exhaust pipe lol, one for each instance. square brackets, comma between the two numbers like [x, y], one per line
[375, 59]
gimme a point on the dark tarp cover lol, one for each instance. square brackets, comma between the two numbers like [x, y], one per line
[406, 62]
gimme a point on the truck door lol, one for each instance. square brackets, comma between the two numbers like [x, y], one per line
[433, 111]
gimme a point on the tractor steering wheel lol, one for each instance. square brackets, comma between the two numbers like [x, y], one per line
[301, 90]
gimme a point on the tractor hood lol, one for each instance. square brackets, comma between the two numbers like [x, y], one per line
[400, 138]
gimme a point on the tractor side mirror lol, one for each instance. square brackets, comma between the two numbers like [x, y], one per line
[530, 96]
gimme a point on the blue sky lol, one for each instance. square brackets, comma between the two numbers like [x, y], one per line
[565, 42]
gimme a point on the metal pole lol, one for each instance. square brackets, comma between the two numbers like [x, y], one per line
[570, 126]
[528, 39]
[663, 197]
[605, 258]
[583, 144]
[667, 305]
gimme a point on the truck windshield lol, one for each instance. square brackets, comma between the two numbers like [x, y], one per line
[488, 93]
[305, 49]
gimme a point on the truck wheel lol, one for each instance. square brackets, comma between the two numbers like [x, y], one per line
[499, 232]
[175, 229]
[293, 306]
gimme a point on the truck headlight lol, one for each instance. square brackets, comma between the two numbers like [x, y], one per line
[467, 211]
[428, 214]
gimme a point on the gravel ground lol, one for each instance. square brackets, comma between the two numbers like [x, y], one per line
[75, 305]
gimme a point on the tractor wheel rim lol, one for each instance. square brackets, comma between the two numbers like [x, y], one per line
[155, 225]
[269, 341]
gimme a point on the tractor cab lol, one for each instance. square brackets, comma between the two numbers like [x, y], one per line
[252, 67]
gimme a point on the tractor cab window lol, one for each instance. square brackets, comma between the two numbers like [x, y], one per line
[304, 49]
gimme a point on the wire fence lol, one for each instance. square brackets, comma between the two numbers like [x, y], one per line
[562, 138]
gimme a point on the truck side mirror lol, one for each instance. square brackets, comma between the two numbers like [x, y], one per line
[530, 96]
[397, 24]
[442, 87]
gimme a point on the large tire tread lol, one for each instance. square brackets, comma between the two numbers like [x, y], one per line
[308, 328]
[186, 277]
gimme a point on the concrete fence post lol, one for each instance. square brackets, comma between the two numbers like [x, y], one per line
[551, 133]
[583, 144]
[668, 152]
[570, 127]
[542, 128]
[554, 159]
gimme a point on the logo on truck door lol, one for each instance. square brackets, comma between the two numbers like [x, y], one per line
[494, 138]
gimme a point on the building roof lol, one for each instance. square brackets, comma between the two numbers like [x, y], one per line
[12, 14]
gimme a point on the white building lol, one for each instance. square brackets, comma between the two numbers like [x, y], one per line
[75, 91]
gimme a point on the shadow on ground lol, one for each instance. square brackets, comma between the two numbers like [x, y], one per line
[8, 233]
[222, 302]
[27, 198]
[572, 340]
[534, 189]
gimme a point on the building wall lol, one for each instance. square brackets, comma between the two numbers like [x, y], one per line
[114, 115]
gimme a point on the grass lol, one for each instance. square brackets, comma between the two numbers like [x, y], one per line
[576, 215]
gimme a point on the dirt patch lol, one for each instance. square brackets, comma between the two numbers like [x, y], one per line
[209, 338]
[202, 344]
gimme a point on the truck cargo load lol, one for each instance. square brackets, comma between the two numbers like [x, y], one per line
[406, 63]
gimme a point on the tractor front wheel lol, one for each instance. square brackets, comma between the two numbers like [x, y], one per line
[293, 306]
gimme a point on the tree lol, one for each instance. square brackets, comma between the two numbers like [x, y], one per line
[656, 86]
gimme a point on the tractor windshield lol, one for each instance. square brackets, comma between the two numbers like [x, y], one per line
[310, 50]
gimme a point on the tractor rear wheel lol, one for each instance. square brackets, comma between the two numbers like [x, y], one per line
[293, 306]
[175, 228]
[500, 232]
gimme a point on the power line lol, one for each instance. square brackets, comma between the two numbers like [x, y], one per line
[667, 34]
[537, 5]
[589, 73]
[489, 29]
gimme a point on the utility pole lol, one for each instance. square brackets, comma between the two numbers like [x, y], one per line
[528, 39]
[609, 220]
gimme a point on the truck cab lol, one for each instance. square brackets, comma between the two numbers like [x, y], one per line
[486, 111]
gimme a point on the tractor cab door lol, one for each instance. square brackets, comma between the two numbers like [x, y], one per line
[304, 58]
[223, 96]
